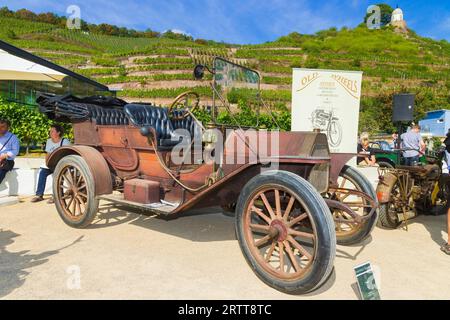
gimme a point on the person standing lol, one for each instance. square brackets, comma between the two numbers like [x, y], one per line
[413, 143]
[9, 148]
[56, 140]
[394, 144]
[447, 149]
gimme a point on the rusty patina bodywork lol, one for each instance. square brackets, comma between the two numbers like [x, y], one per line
[119, 153]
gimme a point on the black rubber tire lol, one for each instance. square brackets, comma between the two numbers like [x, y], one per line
[385, 220]
[362, 184]
[93, 202]
[385, 164]
[321, 217]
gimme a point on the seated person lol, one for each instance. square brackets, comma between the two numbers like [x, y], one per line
[56, 140]
[366, 157]
[9, 148]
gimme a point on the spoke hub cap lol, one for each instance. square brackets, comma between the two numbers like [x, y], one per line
[278, 230]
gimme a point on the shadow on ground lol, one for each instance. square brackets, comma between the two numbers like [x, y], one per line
[344, 253]
[435, 225]
[202, 225]
[324, 287]
[15, 266]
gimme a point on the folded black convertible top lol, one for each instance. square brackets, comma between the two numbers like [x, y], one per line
[72, 108]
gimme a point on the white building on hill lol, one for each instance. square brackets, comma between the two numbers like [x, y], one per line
[398, 21]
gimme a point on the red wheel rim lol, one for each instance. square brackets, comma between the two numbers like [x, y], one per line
[280, 232]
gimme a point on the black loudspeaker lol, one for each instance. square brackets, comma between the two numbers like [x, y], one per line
[403, 107]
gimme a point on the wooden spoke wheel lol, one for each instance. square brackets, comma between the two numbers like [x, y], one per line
[349, 230]
[346, 224]
[73, 191]
[286, 232]
[280, 232]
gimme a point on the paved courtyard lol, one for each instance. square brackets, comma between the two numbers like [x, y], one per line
[127, 255]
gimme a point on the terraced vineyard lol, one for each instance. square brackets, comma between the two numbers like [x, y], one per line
[158, 69]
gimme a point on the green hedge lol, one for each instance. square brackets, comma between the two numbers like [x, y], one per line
[30, 125]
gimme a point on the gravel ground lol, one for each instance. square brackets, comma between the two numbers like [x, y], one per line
[126, 255]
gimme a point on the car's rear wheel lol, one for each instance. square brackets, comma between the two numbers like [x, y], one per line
[349, 231]
[285, 232]
[74, 192]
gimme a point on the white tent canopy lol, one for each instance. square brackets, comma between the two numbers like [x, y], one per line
[16, 68]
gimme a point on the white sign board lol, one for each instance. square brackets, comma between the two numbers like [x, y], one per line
[328, 100]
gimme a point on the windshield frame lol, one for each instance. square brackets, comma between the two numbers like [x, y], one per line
[218, 95]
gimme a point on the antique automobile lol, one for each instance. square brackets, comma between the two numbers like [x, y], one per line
[292, 199]
[407, 191]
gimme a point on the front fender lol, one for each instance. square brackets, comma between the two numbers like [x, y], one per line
[385, 186]
[95, 160]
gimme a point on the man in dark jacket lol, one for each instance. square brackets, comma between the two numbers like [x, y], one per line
[447, 148]
[446, 247]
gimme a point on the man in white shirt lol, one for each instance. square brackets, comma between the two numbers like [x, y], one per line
[9, 148]
[413, 144]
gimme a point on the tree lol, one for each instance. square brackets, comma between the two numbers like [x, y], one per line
[26, 15]
[5, 12]
[386, 14]
[169, 34]
[201, 41]
[48, 18]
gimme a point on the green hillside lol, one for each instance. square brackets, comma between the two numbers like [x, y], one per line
[159, 68]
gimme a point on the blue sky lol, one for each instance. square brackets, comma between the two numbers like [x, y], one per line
[244, 21]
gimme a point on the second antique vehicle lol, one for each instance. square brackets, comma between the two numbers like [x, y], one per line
[388, 157]
[293, 200]
[407, 191]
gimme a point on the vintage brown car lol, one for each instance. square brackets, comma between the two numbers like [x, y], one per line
[291, 203]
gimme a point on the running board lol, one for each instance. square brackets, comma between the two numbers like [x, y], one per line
[163, 208]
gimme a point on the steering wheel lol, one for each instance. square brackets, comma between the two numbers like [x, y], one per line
[182, 102]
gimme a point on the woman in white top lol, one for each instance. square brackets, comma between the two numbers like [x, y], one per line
[56, 140]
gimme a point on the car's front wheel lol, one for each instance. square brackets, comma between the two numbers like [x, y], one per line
[286, 232]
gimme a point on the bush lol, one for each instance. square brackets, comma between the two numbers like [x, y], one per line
[30, 125]
[312, 63]
[11, 34]
[105, 62]
[356, 63]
